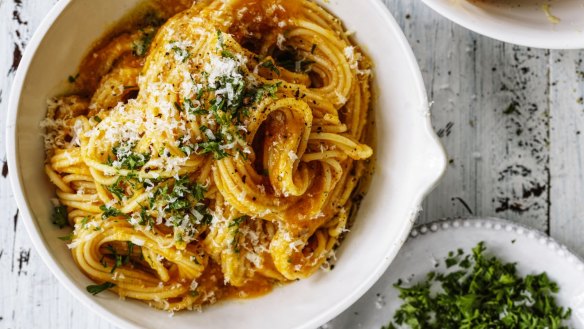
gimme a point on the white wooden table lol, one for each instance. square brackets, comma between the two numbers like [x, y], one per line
[510, 118]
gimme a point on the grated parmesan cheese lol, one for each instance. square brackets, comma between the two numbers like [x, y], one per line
[292, 155]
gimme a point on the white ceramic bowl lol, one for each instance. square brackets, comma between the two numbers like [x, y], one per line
[410, 160]
[522, 22]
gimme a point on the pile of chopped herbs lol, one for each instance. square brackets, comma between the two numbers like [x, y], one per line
[479, 292]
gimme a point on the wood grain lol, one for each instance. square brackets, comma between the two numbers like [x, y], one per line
[511, 119]
[490, 109]
[567, 149]
[30, 296]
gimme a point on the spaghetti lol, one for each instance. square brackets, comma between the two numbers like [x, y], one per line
[215, 155]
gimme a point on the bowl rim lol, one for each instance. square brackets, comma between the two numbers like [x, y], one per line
[501, 34]
[40, 245]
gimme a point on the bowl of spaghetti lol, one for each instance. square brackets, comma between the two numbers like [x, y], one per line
[262, 161]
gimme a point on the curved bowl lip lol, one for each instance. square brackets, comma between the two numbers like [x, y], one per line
[39, 242]
[500, 34]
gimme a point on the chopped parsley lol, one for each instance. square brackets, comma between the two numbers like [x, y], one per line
[151, 18]
[109, 212]
[59, 216]
[294, 62]
[126, 158]
[116, 190]
[140, 47]
[238, 220]
[235, 223]
[189, 106]
[479, 292]
[119, 187]
[67, 237]
[227, 54]
[213, 147]
[182, 202]
[95, 289]
[127, 259]
[270, 65]
[117, 258]
[220, 40]
[181, 53]
[73, 78]
[266, 89]
[512, 109]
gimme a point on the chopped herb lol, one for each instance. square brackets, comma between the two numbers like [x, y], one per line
[128, 159]
[97, 119]
[116, 190]
[117, 258]
[182, 53]
[511, 109]
[207, 217]
[109, 212]
[145, 219]
[480, 292]
[192, 109]
[151, 18]
[67, 237]
[200, 93]
[269, 89]
[130, 251]
[270, 65]
[298, 66]
[73, 78]
[220, 39]
[198, 191]
[59, 216]
[212, 147]
[227, 54]
[183, 202]
[95, 289]
[313, 48]
[236, 222]
[140, 47]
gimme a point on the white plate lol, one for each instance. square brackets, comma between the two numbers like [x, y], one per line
[533, 251]
[522, 22]
[410, 160]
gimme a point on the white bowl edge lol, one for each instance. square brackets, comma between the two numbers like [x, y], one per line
[435, 171]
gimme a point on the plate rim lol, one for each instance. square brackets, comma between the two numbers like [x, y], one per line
[490, 223]
[469, 23]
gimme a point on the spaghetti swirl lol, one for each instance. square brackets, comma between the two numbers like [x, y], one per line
[214, 155]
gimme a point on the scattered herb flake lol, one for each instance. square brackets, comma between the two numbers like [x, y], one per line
[67, 237]
[95, 289]
[270, 65]
[73, 78]
[59, 216]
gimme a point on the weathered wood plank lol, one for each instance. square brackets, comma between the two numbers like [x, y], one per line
[490, 110]
[30, 296]
[567, 151]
